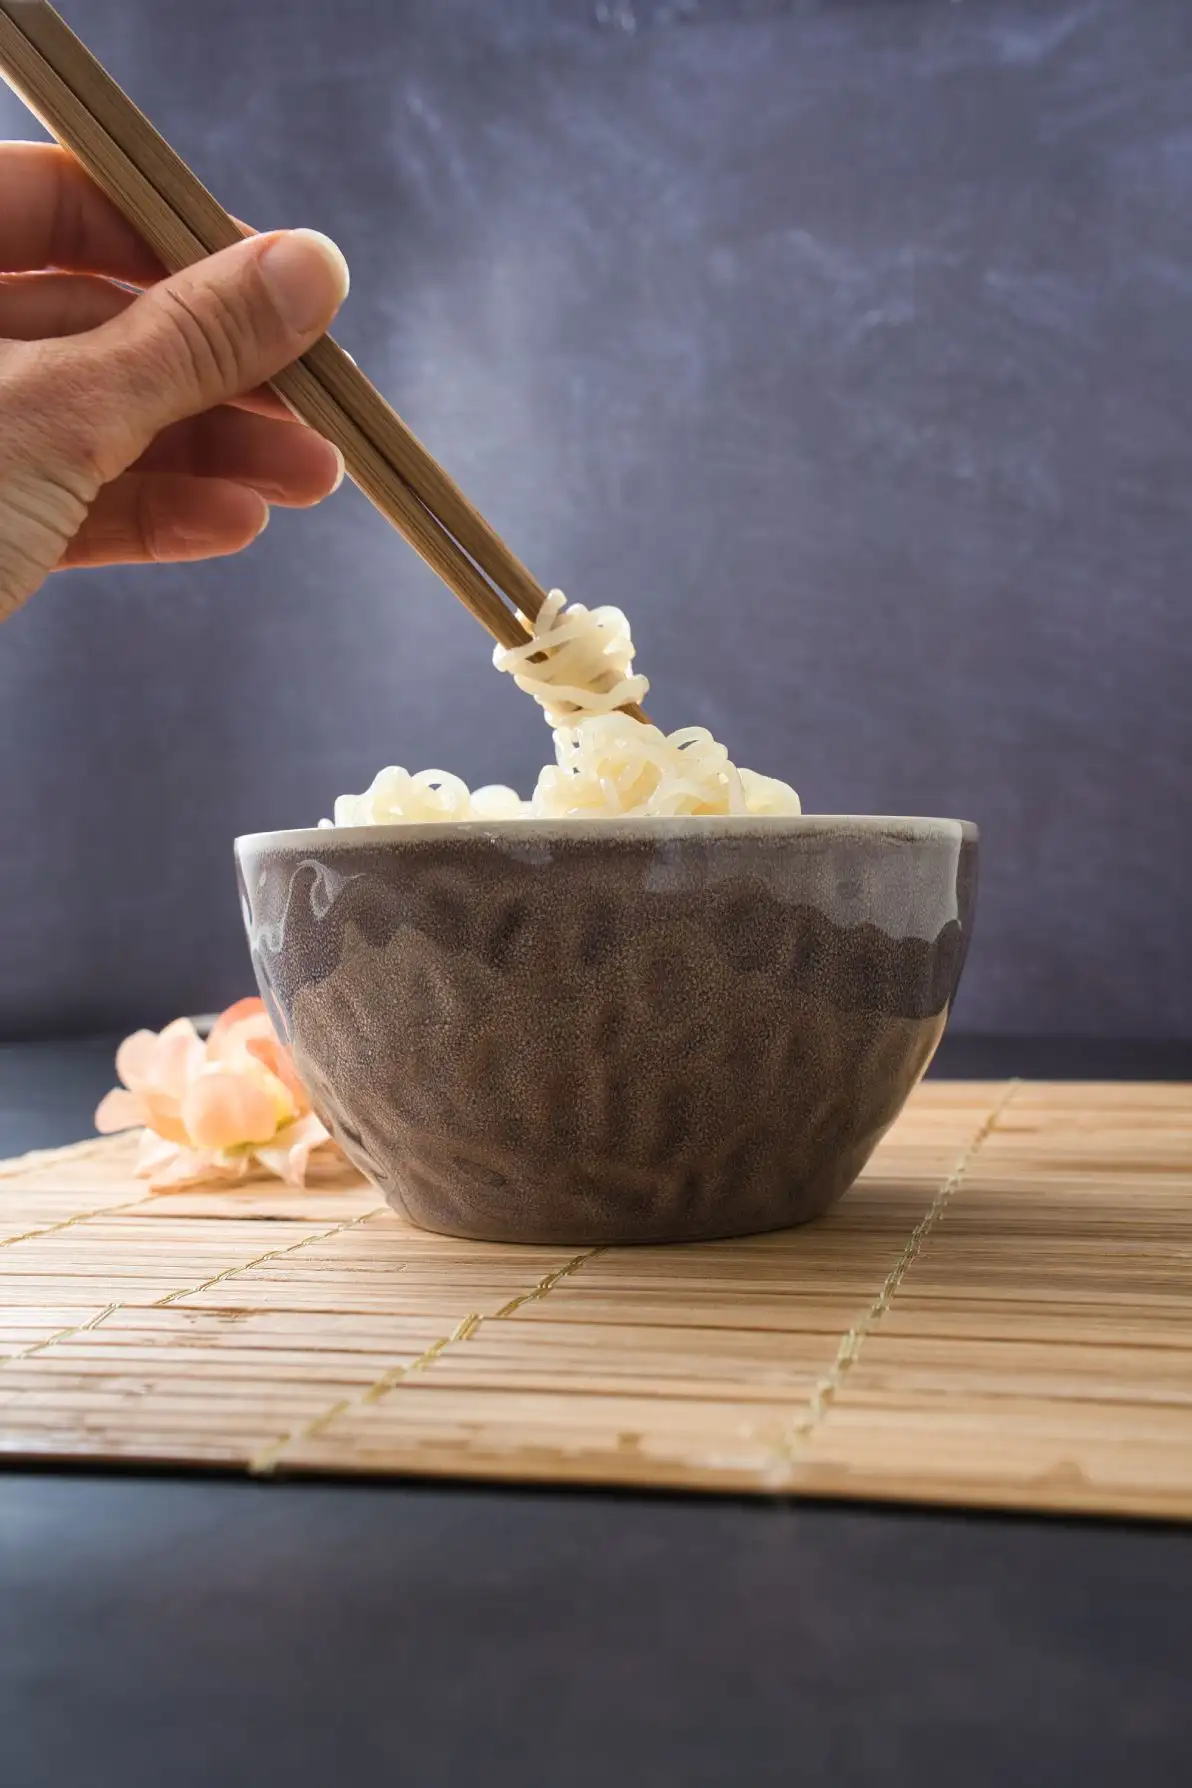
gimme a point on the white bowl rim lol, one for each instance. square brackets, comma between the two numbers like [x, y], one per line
[903, 828]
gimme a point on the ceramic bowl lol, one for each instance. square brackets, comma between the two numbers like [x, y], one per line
[611, 1031]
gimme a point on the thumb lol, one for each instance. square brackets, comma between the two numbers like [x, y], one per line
[206, 335]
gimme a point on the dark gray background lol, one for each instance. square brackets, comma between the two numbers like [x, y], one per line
[848, 345]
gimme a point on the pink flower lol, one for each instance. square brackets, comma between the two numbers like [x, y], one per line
[214, 1110]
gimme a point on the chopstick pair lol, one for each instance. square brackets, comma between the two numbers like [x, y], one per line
[90, 115]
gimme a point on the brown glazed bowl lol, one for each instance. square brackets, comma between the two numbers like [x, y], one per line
[616, 1030]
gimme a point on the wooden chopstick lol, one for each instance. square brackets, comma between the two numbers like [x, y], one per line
[91, 116]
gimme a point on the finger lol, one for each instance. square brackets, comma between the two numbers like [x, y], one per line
[44, 306]
[53, 215]
[262, 400]
[160, 517]
[201, 338]
[266, 402]
[285, 462]
[38, 306]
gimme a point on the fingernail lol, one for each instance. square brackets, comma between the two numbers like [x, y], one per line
[307, 278]
[339, 476]
[265, 519]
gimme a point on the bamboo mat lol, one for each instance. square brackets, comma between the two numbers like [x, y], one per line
[998, 1314]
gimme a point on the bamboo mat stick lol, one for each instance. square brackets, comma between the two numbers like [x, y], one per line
[90, 115]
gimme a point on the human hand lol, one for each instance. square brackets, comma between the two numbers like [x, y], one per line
[132, 423]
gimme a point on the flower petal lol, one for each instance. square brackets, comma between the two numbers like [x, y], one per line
[154, 1153]
[136, 1060]
[235, 1014]
[288, 1107]
[223, 1110]
[285, 1164]
[247, 1018]
[276, 1058]
[160, 1113]
[180, 1056]
[288, 1155]
[118, 1110]
[195, 1167]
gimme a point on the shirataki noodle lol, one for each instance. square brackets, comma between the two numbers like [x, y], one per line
[578, 667]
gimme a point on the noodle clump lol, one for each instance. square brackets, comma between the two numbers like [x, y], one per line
[578, 666]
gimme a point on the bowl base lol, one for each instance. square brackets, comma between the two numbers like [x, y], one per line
[541, 1217]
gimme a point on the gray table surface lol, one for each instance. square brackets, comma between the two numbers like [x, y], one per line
[191, 1631]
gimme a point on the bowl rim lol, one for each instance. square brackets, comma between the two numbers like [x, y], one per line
[897, 828]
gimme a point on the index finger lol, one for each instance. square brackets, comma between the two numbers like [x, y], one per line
[53, 215]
